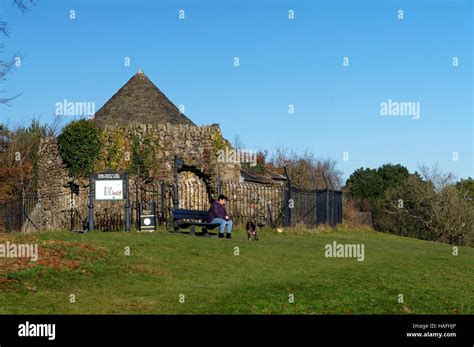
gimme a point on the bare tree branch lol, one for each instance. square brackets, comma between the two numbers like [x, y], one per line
[23, 5]
[7, 66]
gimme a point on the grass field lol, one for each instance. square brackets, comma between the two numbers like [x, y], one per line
[161, 266]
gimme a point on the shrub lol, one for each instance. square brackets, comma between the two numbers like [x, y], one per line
[79, 145]
[19, 160]
[417, 209]
[466, 188]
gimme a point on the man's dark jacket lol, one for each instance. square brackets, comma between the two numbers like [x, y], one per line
[216, 211]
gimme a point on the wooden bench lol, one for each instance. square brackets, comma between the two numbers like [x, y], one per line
[191, 219]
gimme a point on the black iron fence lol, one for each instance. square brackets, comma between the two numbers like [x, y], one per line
[262, 204]
[10, 216]
[312, 207]
[265, 205]
[14, 213]
[247, 201]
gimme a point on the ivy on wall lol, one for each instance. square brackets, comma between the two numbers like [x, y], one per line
[144, 156]
[35, 165]
[115, 151]
[85, 149]
[218, 142]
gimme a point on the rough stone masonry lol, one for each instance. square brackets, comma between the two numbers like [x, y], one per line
[140, 109]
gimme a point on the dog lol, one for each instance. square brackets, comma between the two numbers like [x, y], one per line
[251, 231]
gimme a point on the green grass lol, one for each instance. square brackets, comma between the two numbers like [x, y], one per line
[163, 265]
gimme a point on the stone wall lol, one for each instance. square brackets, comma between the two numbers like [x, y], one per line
[193, 144]
[51, 210]
[248, 201]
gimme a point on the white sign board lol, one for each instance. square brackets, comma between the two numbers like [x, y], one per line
[109, 190]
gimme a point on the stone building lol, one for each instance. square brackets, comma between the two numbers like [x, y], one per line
[140, 109]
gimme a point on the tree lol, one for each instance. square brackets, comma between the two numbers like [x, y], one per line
[436, 177]
[79, 145]
[19, 159]
[365, 185]
[367, 189]
[306, 170]
[392, 175]
[371, 183]
[466, 188]
[422, 208]
[237, 143]
[427, 205]
[7, 66]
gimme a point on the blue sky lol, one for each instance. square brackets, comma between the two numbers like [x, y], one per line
[282, 62]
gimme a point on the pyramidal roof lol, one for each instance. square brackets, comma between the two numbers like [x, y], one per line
[139, 101]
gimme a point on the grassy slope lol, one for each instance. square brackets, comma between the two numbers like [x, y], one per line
[162, 266]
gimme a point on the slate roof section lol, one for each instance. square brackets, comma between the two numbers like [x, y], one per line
[139, 101]
[268, 177]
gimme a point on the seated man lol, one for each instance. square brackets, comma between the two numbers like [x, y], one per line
[218, 214]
